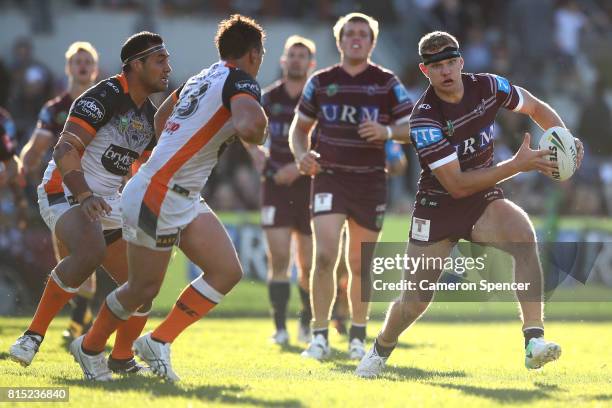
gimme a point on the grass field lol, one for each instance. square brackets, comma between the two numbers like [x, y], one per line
[461, 354]
[229, 362]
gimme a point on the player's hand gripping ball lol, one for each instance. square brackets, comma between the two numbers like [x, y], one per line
[564, 151]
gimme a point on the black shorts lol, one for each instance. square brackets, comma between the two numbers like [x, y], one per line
[361, 196]
[438, 217]
[286, 206]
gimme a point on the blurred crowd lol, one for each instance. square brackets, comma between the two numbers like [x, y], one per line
[555, 49]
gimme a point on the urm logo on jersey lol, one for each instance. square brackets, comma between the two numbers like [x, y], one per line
[476, 143]
[278, 130]
[349, 114]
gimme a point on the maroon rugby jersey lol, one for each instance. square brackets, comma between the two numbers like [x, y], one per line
[54, 113]
[279, 108]
[442, 131]
[340, 102]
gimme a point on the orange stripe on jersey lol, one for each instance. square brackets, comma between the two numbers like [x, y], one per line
[54, 185]
[156, 192]
[88, 128]
[123, 81]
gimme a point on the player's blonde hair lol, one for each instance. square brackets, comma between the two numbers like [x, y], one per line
[81, 46]
[302, 41]
[436, 40]
[356, 17]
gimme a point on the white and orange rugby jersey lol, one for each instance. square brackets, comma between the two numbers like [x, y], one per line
[122, 133]
[195, 132]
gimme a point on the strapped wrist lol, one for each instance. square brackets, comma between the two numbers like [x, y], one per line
[389, 132]
[84, 196]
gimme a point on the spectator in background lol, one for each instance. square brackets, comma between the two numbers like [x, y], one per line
[569, 22]
[595, 124]
[530, 24]
[452, 17]
[32, 85]
[5, 82]
[477, 52]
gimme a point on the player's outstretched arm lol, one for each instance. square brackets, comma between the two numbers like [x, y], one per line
[375, 132]
[67, 155]
[163, 113]
[299, 143]
[249, 119]
[545, 116]
[33, 152]
[461, 184]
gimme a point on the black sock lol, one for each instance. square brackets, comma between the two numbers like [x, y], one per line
[357, 332]
[279, 297]
[382, 350]
[31, 333]
[305, 313]
[531, 333]
[79, 309]
[323, 332]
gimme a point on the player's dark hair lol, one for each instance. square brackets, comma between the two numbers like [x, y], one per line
[238, 35]
[138, 43]
[436, 41]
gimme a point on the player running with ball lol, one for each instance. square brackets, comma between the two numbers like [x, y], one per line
[452, 130]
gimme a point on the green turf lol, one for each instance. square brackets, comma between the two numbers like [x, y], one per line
[229, 362]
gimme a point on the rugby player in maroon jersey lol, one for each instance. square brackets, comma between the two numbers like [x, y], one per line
[356, 106]
[82, 70]
[452, 130]
[285, 214]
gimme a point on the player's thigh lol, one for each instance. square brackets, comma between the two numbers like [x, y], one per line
[116, 262]
[428, 259]
[327, 229]
[206, 243]
[279, 250]
[303, 255]
[79, 234]
[146, 268]
[357, 235]
[503, 222]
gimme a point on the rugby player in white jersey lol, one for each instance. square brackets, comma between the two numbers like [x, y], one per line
[162, 206]
[108, 127]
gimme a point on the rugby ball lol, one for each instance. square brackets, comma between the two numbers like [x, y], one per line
[561, 142]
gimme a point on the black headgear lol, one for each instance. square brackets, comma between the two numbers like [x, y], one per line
[447, 53]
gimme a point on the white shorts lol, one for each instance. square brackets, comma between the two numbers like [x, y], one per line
[53, 206]
[156, 220]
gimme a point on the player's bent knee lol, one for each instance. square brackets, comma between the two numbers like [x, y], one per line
[91, 257]
[146, 292]
[235, 275]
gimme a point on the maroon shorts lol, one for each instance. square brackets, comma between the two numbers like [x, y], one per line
[361, 196]
[286, 206]
[438, 217]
